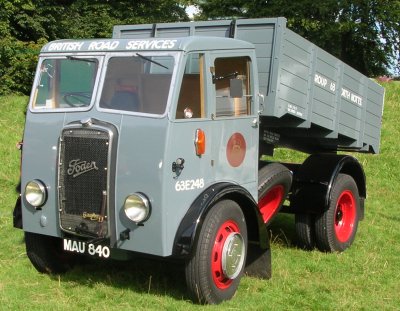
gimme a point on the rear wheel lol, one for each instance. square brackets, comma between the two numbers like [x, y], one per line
[336, 227]
[274, 182]
[216, 266]
[305, 231]
[46, 253]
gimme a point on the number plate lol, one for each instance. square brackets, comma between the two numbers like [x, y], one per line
[82, 247]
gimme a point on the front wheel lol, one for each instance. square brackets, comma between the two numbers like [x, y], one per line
[46, 253]
[336, 227]
[214, 270]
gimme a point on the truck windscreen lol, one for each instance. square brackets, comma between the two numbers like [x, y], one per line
[138, 83]
[65, 83]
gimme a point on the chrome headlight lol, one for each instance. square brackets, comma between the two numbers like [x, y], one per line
[35, 193]
[137, 207]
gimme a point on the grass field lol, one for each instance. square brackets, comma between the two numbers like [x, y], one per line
[365, 277]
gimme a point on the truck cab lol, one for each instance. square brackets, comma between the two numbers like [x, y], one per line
[108, 124]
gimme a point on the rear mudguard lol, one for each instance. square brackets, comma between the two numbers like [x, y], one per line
[258, 262]
[313, 181]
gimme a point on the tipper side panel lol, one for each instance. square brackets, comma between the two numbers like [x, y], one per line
[289, 92]
[319, 103]
[263, 35]
[373, 115]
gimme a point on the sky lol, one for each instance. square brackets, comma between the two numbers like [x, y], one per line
[191, 10]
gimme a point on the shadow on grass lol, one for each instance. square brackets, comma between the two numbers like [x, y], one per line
[140, 275]
[282, 231]
[144, 275]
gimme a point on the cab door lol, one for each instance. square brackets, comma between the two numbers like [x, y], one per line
[235, 120]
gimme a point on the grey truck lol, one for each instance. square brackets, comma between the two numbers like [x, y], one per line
[152, 143]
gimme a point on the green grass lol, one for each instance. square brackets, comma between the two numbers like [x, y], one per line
[365, 277]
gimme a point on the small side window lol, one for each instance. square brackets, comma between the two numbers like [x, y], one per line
[232, 86]
[191, 98]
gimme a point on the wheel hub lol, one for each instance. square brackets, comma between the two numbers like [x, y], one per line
[345, 216]
[339, 214]
[233, 255]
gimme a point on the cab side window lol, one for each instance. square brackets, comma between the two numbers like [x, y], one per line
[232, 86]
[191, 98]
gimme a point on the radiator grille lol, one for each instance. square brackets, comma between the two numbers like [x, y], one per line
[83, 181]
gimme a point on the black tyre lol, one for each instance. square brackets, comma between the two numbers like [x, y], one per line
[335, 229]
[305, 231]
[216, 266]
[274, 182]
[46, 253]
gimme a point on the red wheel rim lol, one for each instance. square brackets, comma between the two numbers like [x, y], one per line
[345, 216]
[220, 280]
[269, 203]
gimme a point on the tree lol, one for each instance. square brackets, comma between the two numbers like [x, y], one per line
[363, 33]
[96, 18]
[26, 25]
[18, 54]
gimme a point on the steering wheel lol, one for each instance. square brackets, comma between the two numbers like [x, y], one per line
[77, 99]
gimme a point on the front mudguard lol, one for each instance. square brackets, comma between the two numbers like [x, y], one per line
[259, 254]
[17, 214]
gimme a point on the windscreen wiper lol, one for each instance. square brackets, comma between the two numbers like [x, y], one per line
[82, 59]
[229, 75]
[150, 60]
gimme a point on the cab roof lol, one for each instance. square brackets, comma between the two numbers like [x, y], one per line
[193, 43]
